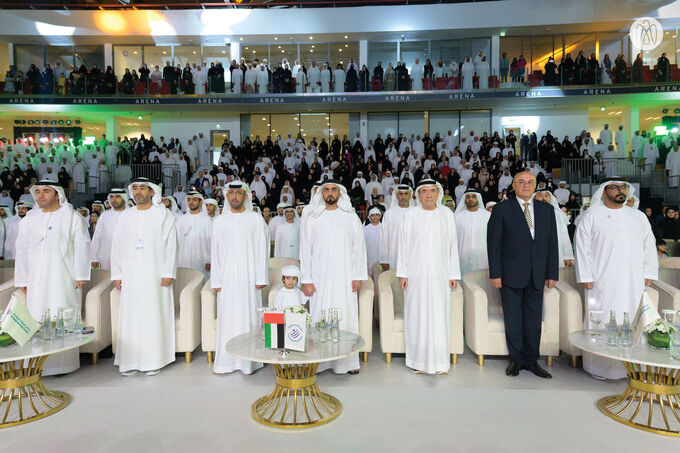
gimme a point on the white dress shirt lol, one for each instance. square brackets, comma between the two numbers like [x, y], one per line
[531, 211]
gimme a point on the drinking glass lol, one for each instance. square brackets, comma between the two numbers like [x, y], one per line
[69, 321]
[596, 318]
[260, 317]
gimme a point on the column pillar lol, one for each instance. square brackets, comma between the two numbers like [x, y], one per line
[363, 53]
[363, 126]
[108, 55]
[235, 51]
[631, 123]
[112, 128]
[10, 50]
[495, 56]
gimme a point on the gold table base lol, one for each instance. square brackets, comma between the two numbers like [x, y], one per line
[23, 397]
[655, 386]
[296, 401]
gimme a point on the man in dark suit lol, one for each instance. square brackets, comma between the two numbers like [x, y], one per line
[523, 257]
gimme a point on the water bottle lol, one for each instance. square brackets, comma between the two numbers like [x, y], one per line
[612, 330]
[626, 332]
[322, 327]
[59, 325]
[335, 331]
[78, 322]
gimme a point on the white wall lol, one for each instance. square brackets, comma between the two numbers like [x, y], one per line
[185, 128]
[559, 122]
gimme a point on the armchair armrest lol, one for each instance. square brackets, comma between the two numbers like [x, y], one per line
[476, 316]
[571, 316]
[669, 296]
[366, 314]
[97, 307]
[190, 313]
[550, 338]
[386, 305]
[271, 295]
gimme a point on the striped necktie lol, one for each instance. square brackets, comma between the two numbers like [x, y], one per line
[527, 215]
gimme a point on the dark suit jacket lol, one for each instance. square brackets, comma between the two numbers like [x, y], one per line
[513, 255]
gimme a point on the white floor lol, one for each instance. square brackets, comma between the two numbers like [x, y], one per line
[188, 409]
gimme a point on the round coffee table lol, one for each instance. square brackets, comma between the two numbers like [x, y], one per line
[296, 401]
[20, 380]
[653, 378]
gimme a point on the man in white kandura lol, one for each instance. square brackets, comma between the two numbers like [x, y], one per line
[564, 248]
[287, 241]
[106, 225]
[144, 268]
[194, 232]
[428, 269]
[12, 229]
[621, 141]
[391, 226]
[277, 220]
[52, 262]
[615, 260]
[240, 258]
[333, 261]
[471, 219]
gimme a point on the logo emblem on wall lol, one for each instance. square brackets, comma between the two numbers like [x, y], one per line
[646, 33]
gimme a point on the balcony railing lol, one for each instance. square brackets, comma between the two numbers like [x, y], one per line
[100, 86]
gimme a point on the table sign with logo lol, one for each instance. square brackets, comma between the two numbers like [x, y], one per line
[296, 331]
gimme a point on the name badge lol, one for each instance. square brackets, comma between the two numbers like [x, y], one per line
[140, 244]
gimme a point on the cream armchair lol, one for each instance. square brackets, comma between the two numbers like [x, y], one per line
[484, 327]
[365, 313]
[209, 304]
[187, 295]
[391, 301]
[96, 311]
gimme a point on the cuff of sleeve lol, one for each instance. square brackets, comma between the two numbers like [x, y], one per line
[115, 277]
[261, 282]
[401, 275]
[20, 284]
[305, 281]
[172, 276]
[652, 276]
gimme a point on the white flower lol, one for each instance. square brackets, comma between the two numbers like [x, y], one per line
[659, 326]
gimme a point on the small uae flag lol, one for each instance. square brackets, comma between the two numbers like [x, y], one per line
[274, 328]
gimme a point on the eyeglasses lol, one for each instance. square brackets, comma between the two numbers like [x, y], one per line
[621, 188]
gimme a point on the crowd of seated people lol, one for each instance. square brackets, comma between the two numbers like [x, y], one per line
[284, 169]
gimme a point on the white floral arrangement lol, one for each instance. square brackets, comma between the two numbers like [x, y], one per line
[659, 326]
[299, 309]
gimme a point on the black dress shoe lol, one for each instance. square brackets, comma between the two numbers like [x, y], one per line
[513, 369]
[538, 371]
[353, 372]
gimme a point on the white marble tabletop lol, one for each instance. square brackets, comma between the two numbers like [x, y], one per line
[39, 347]
[249, 346]
[640, 353]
